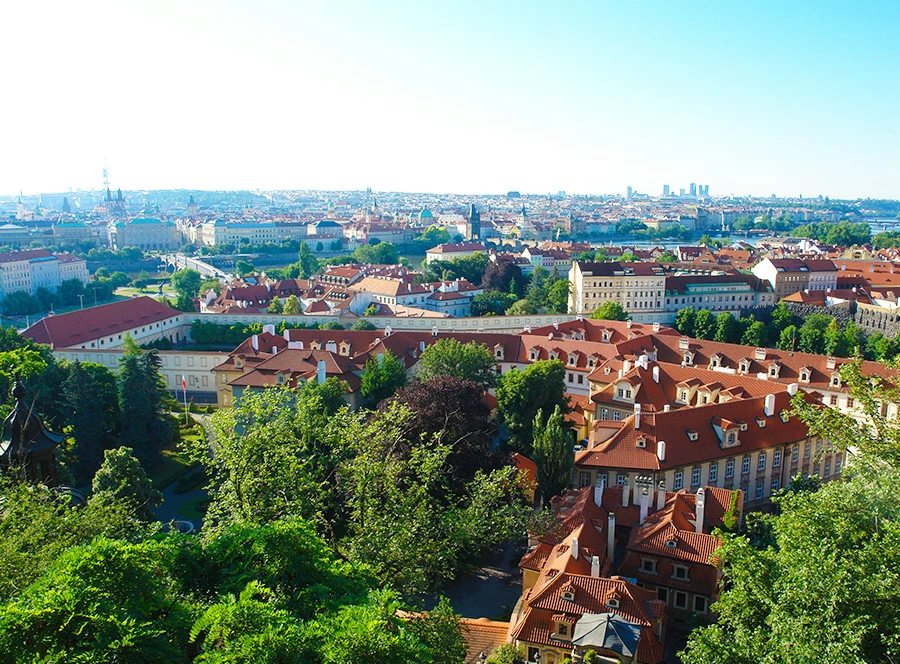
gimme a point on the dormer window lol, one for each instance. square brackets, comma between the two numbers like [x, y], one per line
[641, 442]
[552, 355]
[532, 355]
[280, 378]
[715, 361]
[731, 438]
[573, 359]
[742, 426]
[688, 359]
[498, 352]
[774, 369]
[238, 363]
[612, 603]
[692, 435]
[605, 335]
[784, 415]
[761, 422]
[804, 375]
[835, 380]
[606, 371]
[591, 362]
[744, 367]
[671, 544]
[568, 595]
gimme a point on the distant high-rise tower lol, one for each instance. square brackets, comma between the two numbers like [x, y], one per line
[693, 188]
[192, 207]
[65, 205]
[629, 193]
[665, 190]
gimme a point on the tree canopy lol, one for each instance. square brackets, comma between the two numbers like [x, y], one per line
[449, 357]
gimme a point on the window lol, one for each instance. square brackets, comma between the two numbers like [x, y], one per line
[684, 395]
[745, 465]
[662, 594]
[604, 413]
[833, 400]
[729, 468]
[850, 402]
[776, 459]
[731, 438]
[837, 465]
[562, 629]
[775, 484]
[695, 477]
[761, 464]
[679, 480]
[818, 447]
[680, 572]
[827, 469]
[713, 472]
[699, 604]
[620, 479]
[795, 454]
[759, 489]
[648, 566]
[617, 416]
[584, 478]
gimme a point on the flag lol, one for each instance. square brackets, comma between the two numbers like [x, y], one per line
[184, 386]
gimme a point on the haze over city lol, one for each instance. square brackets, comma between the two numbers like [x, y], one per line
[452, 97]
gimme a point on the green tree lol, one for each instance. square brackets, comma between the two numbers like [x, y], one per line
[781, 317]
[558, 297]
[811, 340]
[508, 654]
[292, 306]
[788, 338]
[187, 282]
[141, 281]
[756, 335]
[69, 291]
[122, 478]
[143, 401]
[539, 387]
[835, 341]
[704, 324]
[274, 455]
[91, 398]
[609, 310]
[684, 321]
[243, 268]
[521, 308]
[383, 253]
[363, 324]
[381, 378]
[492, 303]
[307, 263]
[275, 306]
[449, 357]
[553, 454]
[727, 328]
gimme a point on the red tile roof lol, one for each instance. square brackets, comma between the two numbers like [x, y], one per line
[85, 325]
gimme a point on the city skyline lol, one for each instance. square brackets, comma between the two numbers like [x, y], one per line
[452, 98]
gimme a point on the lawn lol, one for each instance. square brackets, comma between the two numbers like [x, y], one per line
[194, 510]
[175, 461]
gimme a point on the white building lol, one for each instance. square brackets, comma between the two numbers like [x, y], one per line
[29, 270]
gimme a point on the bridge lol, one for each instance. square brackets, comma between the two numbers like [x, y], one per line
[179, 261]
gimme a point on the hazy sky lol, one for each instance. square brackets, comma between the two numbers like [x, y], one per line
[469, 97]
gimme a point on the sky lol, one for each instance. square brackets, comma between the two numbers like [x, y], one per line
[759, 98]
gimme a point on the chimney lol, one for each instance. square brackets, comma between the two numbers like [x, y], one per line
[320, 371]
[656, 327]
[700, 510]
[645, 503]
[684, 343]
[626, 489]
[611, 539]
[770, 405]
[287, 335]
[574, 548]
[660, 495]
[598, 492]
[595, 566]
[637, 416]
[792, 389]
[434, 331]
[760, 354]
[661, 450]
[254, 341]
[667, 408]
[421, 346]
[626, 367]
[656, 374]
[642, 361]
[628, 324]
[274, 350]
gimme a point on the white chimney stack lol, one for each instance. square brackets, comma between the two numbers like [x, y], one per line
[598, 492]
[611, 539]
[770, 405]
[626, 367]
[700, 510]
[254, 341]
[637, 416]
[656, 374]
[421, 346]
[660, 495]
[792, 388]
[661, 450]
[287, 335]
[667, 408]
[320, 371]
[595, 566]
[645, 503]
[574, 548]
[626, 489]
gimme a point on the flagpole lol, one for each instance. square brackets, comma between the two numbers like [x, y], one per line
[184, 391]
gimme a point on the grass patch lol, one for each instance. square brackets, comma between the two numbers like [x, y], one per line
[195, 509]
